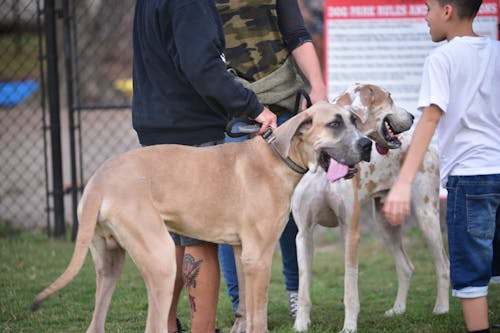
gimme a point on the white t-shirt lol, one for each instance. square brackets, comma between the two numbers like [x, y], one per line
[462, 77]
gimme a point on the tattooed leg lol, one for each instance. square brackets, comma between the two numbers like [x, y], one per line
[201, 276]
[190, 271]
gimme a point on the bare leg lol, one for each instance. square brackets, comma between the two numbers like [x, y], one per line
[475, 312]
[201, 276]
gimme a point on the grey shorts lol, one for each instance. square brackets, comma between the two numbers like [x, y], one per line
[184, 240]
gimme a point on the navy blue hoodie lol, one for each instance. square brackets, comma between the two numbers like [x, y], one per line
[182, 92]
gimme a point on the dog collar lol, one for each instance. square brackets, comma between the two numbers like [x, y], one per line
[269, 137]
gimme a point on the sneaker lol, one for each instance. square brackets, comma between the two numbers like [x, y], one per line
[293, 297]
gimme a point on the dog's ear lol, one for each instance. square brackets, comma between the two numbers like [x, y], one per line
[284, 134]
[361, 99]
[356, 99]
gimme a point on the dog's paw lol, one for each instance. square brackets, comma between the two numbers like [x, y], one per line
[239, 325]
[348, 330]
[394, 311]
[440, 309]
[301, 324]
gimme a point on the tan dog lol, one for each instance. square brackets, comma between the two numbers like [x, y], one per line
[237, 193]
[316, 201]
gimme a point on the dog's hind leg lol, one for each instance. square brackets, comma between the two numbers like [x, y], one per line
[431, 232]
[392, 239]
[153, 251]
[108, 263]
[427, 216]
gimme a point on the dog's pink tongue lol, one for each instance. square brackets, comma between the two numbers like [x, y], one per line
[336, 171]
[381, 150]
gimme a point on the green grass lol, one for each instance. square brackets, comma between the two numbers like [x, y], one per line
[29, 263]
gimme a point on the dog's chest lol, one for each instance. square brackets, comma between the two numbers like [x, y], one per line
[377, 175]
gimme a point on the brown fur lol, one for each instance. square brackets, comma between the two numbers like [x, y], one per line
[237, 193]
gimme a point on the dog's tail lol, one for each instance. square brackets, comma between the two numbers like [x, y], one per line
[89, 209]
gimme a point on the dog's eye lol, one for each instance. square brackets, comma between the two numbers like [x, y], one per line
[335, 124]
[354, 120]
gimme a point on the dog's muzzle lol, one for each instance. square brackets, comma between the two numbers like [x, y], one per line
[390, 134]
[336, 170]
[365, 147]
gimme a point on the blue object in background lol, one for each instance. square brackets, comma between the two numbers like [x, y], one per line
[14, 92]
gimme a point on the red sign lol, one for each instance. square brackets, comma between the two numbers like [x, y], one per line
[356, 9]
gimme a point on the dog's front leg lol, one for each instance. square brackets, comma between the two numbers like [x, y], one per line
[305, 251]
[393, 241]
[256, 262]
[351, 240]
[240, 323]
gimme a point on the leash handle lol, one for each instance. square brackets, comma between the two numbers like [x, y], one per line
[253, 126]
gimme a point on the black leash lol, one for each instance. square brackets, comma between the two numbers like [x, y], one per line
[269, 137]
[301, 93]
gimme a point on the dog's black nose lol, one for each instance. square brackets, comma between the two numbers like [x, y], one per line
[365, 146]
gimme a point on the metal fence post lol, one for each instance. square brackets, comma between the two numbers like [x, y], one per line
[55, 121]
[68, 57]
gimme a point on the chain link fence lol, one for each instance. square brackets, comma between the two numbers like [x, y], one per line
[22, 141]
[93, 51]
[94, 54]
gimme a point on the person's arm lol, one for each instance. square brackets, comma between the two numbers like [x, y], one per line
[199, 43]
[307, 60]
[397, 203]
[299, 44]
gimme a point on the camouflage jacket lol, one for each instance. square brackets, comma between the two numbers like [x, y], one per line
[254, 44]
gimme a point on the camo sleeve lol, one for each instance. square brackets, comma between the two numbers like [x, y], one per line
[292, 24]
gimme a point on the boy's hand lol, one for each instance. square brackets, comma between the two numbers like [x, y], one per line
[397, 204]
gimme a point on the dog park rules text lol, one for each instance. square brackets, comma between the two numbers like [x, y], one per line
[385, 42]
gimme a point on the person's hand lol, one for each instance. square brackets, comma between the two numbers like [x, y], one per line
[315, 95]
[397, 204]
[267, 119]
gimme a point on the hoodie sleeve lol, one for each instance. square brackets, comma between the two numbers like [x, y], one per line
[199, 39]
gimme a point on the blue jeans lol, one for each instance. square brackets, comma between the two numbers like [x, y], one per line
[473, 220]
[287, 246]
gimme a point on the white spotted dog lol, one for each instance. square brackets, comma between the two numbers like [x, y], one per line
[317, 201]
